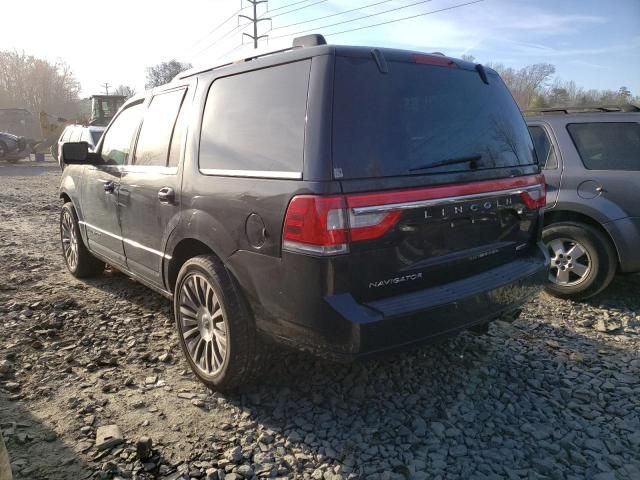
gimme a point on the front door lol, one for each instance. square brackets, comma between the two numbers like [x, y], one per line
[149, 188]
[99, 197]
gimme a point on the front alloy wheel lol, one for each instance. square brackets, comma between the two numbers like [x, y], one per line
[69, 240]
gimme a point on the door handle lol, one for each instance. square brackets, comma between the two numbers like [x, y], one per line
[109, 186]
[166, 195]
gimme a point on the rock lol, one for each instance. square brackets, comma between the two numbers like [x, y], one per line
[5, 366]
[108, 436]
[12, 386]
[151, 380]
[165, 357]
[186, 395]
[144, 447]
[234, 455]
[245, 471]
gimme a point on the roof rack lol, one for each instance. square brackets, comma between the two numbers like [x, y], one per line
[305, 41]
[583, 109]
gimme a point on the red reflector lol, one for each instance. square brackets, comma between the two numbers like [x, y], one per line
[434, 60]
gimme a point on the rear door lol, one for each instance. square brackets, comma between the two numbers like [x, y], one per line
[149, 197]
[548, 158]
[99, 197]
[610, 152]
[440, 154]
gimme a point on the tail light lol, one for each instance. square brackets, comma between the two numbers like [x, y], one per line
[535, 198]
[326, 225]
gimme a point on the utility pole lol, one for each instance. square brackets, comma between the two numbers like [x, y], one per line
[106, 86]
[255, 37]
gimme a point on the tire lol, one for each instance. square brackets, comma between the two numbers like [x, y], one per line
[215, 326]
[597, 265]
[77, 258]
[4, 150]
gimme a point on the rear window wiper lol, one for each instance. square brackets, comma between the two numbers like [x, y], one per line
[470, 159]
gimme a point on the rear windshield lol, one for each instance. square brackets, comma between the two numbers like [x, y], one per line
[420, 119]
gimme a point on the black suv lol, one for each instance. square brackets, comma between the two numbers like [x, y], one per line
[591, 161]
[341, 200]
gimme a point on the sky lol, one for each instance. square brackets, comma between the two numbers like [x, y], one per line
[596, 43]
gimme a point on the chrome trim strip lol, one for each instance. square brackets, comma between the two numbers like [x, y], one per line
[125, 240]
[251, 173]
[438, 201]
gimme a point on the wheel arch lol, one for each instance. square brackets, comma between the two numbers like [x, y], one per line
[184, 249]
[556, 216]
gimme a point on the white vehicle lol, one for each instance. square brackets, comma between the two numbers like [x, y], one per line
[79, 133]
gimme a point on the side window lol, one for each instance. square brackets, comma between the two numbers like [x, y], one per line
[177, 138]
[117, 140]
[158, 125]
[544, 148]
[255, 120]
[607, 146]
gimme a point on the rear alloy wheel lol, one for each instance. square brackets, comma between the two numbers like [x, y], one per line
[78, 259]
[3, 150]
[583, 262]
[203, 324]
[215, 326]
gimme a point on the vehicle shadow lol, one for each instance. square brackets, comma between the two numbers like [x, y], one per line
[537, 395]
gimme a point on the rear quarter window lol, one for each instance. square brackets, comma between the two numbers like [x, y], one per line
[607, 146]
[544, 148]
[254, 122]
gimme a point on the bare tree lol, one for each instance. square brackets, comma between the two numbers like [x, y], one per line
[37, 85]
[526, 83]
[164, 72]
[125, 90]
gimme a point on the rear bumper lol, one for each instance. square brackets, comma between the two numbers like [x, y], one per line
[342, 329]
[625, 233]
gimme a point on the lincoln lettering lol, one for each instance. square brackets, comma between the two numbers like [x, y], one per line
[448, 211]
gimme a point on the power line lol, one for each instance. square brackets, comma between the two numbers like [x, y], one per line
[296, 9]
[406, 18]
[288, 5]
[332, 15]
[353, 19]
[211, 32]
[222, 23]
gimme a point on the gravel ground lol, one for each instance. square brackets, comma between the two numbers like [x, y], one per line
[554, 395]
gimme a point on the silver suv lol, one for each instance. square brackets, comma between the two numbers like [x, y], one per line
[591, 162]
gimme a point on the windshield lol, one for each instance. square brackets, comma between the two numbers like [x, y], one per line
[423, 118]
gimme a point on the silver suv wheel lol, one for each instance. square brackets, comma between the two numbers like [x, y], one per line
[204, 327]
[570, 262]
[69, 240]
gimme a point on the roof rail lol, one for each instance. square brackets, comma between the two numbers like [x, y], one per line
[311, 40]
[583, 109]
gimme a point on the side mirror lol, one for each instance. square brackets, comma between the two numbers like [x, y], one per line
[77, 153]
